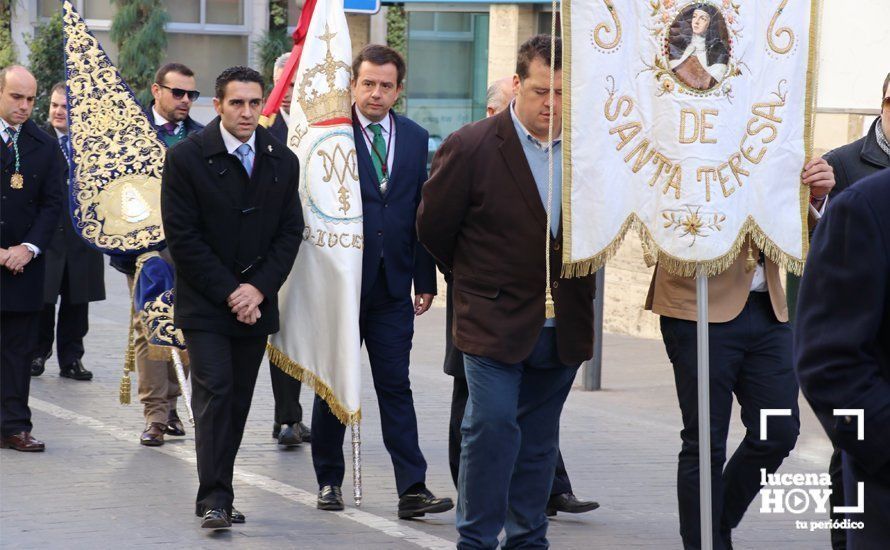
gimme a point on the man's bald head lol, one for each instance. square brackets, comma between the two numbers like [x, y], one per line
[500, 94]
[18, 89]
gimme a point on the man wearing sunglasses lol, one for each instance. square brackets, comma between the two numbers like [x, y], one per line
[174, 94]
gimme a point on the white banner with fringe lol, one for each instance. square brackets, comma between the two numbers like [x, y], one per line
[691, 122]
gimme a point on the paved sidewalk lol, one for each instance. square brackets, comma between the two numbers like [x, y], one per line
[95, 487]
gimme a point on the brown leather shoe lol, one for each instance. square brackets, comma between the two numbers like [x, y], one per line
[22, 441]
[153, 436]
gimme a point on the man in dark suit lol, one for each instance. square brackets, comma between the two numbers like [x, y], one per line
[562, 497]
[867, 155]
[288, 427]
[233, 223]
[851, 163]
[392, 169]
[174, 95]
[483, 217]
[75, 273]
[842, 347]
[30, 177]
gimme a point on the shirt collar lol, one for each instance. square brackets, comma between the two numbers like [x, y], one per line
[160, 121]
[4, 125]
[232, 143]
[528, 136]
[58, 133]
[386, 123]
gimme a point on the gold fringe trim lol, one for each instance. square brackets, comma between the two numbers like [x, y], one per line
[651, 251]
[267, 121]
[304, 375]
[686, 268]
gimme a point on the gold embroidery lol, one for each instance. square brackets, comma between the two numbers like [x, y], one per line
[117, 155]
[604, 27]
[335, 102]
[777, 33]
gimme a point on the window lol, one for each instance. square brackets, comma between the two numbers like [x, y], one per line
[447, 70]
[206, 35]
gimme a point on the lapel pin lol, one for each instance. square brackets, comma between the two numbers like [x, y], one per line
[270, 148]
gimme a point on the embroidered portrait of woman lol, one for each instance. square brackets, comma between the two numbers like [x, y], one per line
[698, 46]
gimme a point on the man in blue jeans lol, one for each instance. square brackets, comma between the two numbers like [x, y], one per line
[483, 218]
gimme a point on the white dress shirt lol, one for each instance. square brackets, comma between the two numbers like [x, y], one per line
[388, 133]
[6, 137]
[232, 143]
[160, 121]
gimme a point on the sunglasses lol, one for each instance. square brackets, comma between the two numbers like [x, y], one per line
[179, 92]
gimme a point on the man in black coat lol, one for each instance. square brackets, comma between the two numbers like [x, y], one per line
[30, 175]
[233, 224]
[851, 163]
[288, 427]
[842, 347]
[75, 273]
[867, 155]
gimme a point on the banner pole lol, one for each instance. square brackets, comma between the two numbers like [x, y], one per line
[704, 412]
[357, 462]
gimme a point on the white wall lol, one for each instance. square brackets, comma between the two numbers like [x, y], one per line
[854, 53]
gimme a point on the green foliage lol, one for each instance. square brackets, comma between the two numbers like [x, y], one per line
[277, 14]
[47, 61]
[397, 39]
[138, 31]
[271, 45]
[7, 48]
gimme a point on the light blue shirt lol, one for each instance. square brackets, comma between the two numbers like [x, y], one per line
[537, 155]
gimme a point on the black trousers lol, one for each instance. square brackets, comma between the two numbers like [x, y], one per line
[459, 395]
[750, 357]
[69, 332]
[286, 391]
[18, 340]
[223, 373]
[387, 328]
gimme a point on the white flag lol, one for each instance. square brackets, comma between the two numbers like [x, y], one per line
[319, 340]
[690, 121]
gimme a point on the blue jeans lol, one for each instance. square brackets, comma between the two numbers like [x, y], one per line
[508, 453]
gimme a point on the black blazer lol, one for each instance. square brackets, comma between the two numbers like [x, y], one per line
[856, 160]
[389, 221]
[842, 333]
[279, 129]
[86, 269]
[223, 228]
[28, 214]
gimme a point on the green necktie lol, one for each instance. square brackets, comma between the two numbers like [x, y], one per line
[378, 156]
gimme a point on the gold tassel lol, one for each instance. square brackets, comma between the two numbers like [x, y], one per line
[549, 307]
[751, 262]
[125, 389]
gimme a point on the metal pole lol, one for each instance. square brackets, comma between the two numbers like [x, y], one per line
[357, 462]
[704, 412]
[592, 373]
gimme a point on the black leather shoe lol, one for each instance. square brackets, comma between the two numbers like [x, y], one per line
[288, 437]
[415, 504]
[38, 365]
[174, 424]
[236, 517]
[305, 432]
[568, 503]
[75, 371]
[330, 497]
[215, 518]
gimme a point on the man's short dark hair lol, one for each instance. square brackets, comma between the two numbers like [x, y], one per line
[239, 74]
[380, 55]
[172, 68]
[58, 87]
[886, 83]
[537, 47]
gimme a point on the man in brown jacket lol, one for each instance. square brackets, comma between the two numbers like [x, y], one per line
[483, 217]
[750, 356]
